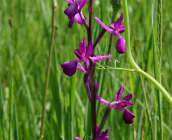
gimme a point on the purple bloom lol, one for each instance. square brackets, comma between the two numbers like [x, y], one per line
[101, 136]
[117, 104]
[72, 11]
[84, 55]
[77, 138]
[115, 29]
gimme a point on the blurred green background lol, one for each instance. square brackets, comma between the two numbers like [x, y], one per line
[24, 50]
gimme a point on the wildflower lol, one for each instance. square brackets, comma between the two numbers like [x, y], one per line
[72, 11]
[117, 104]
[115, 29]
[84, 54]
[101, 136]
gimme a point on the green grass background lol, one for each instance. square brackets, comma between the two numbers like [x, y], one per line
[24, 53]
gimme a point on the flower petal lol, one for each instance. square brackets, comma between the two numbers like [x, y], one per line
[87, 65]
[77, 138]
[97, 130]
[82, 46]
[118, 22]
[78, 19]
[120, 46]
[110, 30]
[102, 100]
[69, 67]
[71, 22]
[118, 95]
[128, 116]
[104, 134]
[89, 50]
[124, 103]
[82, 3]
[70, 1]
[78, 53]
[72, 10]
[79, 66]
[128, 97]
[96, 58]
[121, 29]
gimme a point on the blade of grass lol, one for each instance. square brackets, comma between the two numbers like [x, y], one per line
[16, 129]
[54, 5]
[147, 108]
[1, 112]
[11, 110]
[159, 34]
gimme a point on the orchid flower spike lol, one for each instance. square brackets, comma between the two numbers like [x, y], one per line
[72, 11]
[115, 29]
[101, 136]
[84, 54]
[120, 104]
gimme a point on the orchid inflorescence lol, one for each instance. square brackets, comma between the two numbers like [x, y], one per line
[85, 54]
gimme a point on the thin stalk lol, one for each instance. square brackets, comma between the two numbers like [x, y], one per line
[92, 75]
[158, 69]
[155, 123]
[54, 5]
[147, 108]
[131, 60]
[11, 18]
[83, 20]
[121, 69]
[157, 84]
[127, 35]
[11, 110]
[93, 99]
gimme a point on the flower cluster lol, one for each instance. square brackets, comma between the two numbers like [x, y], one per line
[85, 53]
[99, 136]
[117, 104]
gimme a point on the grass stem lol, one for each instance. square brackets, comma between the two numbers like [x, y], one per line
[54, 5]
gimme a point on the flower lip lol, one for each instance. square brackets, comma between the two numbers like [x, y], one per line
[69, 67]
[120, 46]
[128, 116]
[72, 10]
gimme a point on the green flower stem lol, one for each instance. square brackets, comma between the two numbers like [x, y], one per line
[122, 69]
[127, 35]
[48, 68]
[131, 60]
[147, 76]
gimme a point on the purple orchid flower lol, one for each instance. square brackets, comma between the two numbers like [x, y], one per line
[83, 55]
[117, 104]
[72, 11]
[115, 29]
[77, 138]
[101, 136]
